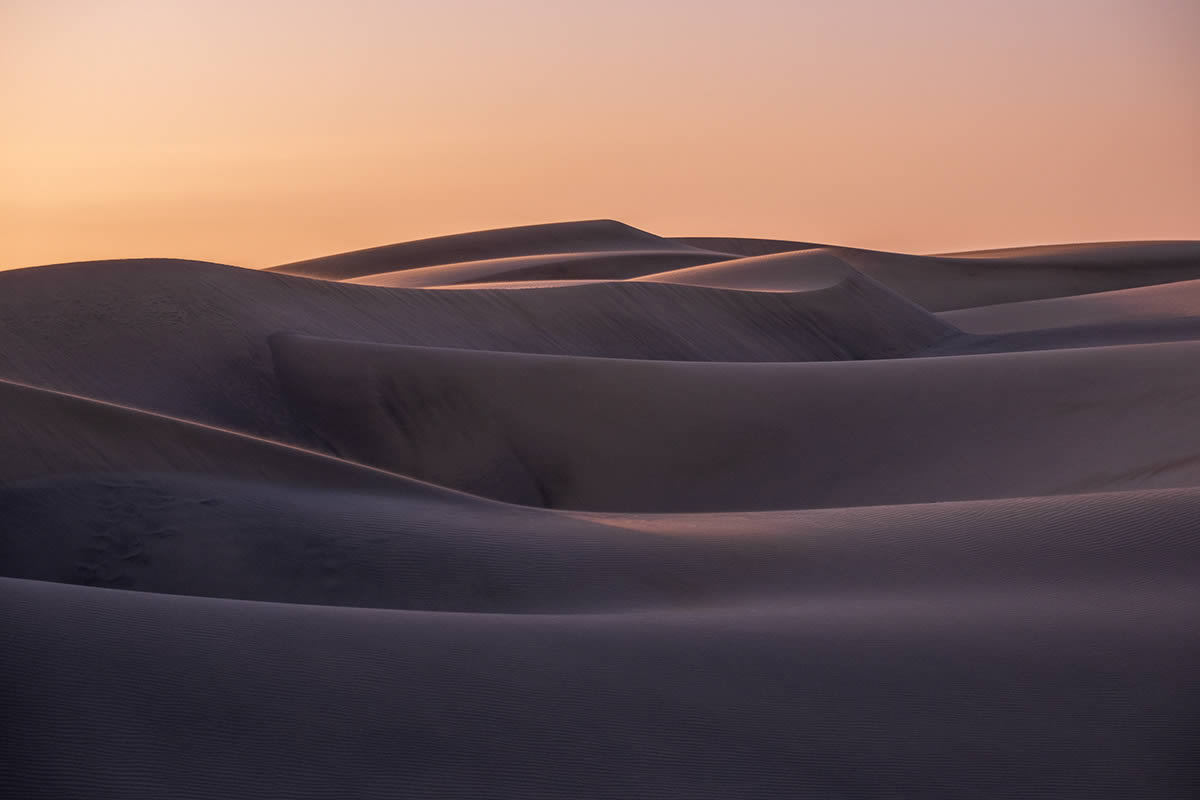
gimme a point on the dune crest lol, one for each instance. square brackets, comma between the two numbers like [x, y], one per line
[616, 265]
[530, 240]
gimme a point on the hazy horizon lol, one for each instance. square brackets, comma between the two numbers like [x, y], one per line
[257, 133]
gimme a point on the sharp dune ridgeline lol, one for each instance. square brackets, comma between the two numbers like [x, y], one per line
[576, 510]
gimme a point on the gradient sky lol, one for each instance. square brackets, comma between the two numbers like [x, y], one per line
[256, 132]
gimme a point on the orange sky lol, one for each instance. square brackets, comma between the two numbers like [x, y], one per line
[256, 132]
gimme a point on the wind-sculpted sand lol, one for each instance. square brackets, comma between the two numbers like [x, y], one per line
[578, 511]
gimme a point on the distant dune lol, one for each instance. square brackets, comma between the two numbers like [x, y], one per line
[563, 237]
[551, 266]
[1159, 303]
[578, 511]
[743, 247]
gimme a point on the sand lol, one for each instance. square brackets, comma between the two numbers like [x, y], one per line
[548, 267]
[617, 435]
[579, 511]
[1170, 302]
[561, 238]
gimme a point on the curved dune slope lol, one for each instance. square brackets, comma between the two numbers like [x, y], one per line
[779, 272]
[1117, 253]
[561, 237]
[190, 339]
[417, 548]
[617, 265]
[996, 695]
[606, 434]
[49, 433]
[1145, 304]
[943, 283]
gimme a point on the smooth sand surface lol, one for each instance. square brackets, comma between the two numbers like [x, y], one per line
[798, 271]
[562, 237]
[189, 339]
[578, 511]
[617, 265]
[51, 433]
[942, 283]
[606, 434]
[1165, 302]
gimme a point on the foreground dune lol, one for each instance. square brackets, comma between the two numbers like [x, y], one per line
[849, 695]
[575, 510]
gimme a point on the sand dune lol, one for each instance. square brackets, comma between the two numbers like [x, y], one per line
[51, 433]
[617, 265]
[604, 434]
[801, 271]
[744, 247]
[938, 283]
[576, 510]
[1083, 253]
[415, 547]
[1165, 302]
[1050, 690]
[942, 283]
[562, 237]
[189, 339]
[998, 277]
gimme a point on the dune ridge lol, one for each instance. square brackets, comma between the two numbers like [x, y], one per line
[53, 433]
[530, 240]
[740, 246]
[617, 265]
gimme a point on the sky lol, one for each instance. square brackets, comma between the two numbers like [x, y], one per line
[257, 132]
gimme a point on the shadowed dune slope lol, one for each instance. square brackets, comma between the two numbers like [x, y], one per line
[943, 283]
[424, 549]
[1146, 304]
[49, 433]
[1111, 334]
[560, 237]
[1007, 695]
[605, 434]
[617, 265]
[189, 339]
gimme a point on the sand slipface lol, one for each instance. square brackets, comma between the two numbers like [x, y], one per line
[575, 510]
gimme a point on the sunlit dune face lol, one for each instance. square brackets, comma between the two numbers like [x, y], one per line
[262, 132]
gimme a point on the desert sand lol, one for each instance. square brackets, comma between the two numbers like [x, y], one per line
[575, 510]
